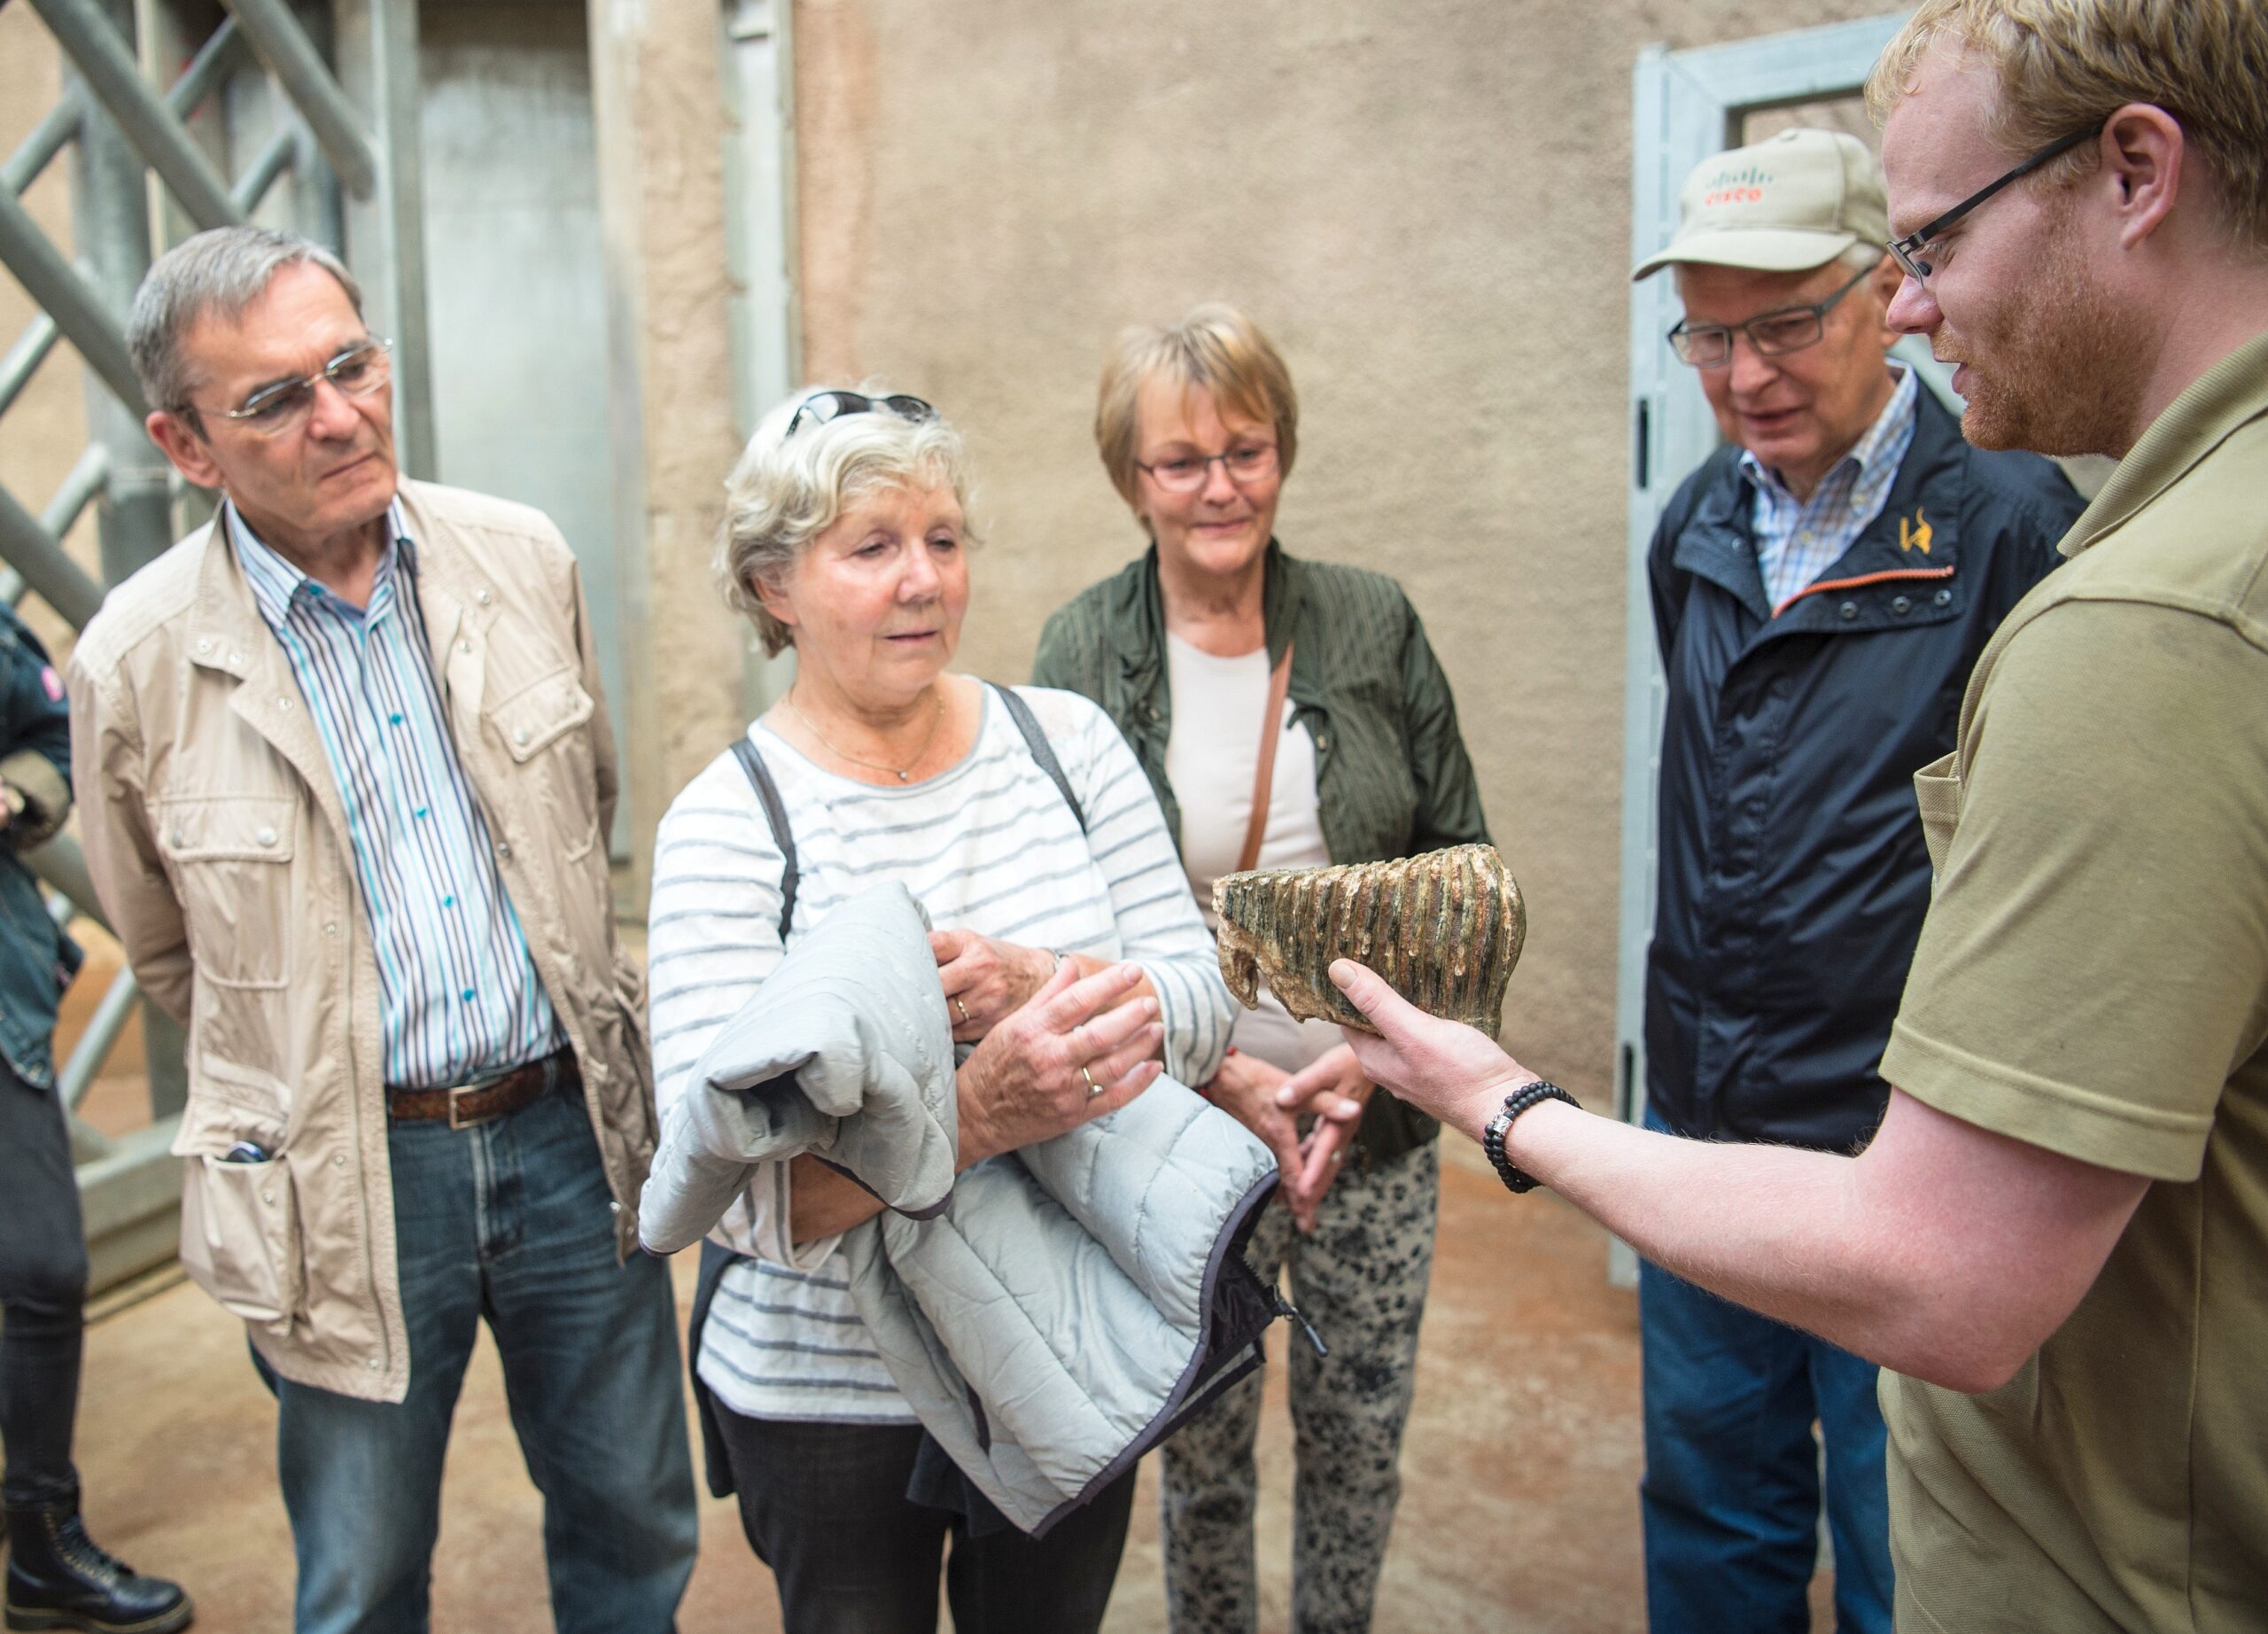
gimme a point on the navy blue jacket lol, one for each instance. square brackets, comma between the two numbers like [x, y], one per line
[1793, 877]
[36, 959]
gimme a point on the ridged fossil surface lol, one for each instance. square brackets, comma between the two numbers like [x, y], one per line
[1444, 929]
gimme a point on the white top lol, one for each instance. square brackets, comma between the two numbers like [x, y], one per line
[989, 845]
[1212, 755]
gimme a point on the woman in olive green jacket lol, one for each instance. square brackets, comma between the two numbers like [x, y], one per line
[1197, 426]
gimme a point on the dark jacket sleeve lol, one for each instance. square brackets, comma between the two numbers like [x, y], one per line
[1448, 798]
[2028, 506]
[1069, 655]
[36, 739]
[1666, 586]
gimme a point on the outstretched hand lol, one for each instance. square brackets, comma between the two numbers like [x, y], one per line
[1445, 1068]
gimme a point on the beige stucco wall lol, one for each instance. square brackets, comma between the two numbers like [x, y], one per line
[1427, 205]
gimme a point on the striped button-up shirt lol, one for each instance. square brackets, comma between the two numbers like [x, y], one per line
[460, 997]
[1798, 539]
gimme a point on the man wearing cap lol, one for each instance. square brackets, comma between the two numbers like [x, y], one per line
[1821, 587]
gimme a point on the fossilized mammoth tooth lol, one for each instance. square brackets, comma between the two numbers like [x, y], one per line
[1444, 929]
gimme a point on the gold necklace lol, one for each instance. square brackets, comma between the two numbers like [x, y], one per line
[903, 773]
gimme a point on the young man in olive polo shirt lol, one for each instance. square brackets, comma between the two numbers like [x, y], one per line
[2060, 1234]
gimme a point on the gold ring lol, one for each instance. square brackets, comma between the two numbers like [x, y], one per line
[963, 1008]
[1093, 1088]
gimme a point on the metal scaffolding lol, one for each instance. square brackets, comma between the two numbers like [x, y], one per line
[164, 101]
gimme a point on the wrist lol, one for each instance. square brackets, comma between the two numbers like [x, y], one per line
[1518, 1105]
[1487, 1099]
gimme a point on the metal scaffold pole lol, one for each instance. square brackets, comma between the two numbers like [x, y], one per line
[109, 215]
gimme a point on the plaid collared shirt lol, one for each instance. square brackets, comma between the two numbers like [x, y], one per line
[459, 995]
[1798, 539]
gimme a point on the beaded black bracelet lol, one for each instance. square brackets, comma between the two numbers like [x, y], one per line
[1491, 1139]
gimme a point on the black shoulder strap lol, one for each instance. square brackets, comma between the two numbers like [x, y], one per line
[1042, 751]
[775, 813]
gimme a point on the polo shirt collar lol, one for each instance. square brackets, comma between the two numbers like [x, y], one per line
[2229, 396]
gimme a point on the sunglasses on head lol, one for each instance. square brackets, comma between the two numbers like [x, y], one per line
[820, 406]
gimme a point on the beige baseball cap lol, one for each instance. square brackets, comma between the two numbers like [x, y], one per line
[1793, 202]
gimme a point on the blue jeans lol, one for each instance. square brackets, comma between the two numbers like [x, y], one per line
[1731, 1494]
[507, 1221]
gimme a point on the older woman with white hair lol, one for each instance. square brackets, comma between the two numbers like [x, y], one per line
[1069, 949]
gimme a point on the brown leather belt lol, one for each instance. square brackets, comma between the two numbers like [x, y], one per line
[468, 1104]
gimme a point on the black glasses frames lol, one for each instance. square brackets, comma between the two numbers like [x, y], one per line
[1773, 334]
[1909, 249]
[821, 407]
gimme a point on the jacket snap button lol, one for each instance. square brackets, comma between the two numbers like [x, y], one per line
[520, 736]
[1900, 604]
[1942, 597]
[614, 1208]
[374, 1364]
[504, 851]
[179, 839]
[1849, 610]
[266, 836]
[268, 1196]
[338, 1159]
[1151, 711]
[464, 646]
[485, 597]
[284, 703]
[331, 926]
[205, 646]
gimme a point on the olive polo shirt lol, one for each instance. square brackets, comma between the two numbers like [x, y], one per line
[2092, 978]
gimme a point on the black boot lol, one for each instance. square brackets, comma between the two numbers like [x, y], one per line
[60, 1578]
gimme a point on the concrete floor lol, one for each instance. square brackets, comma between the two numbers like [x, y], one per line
[1520, 1469]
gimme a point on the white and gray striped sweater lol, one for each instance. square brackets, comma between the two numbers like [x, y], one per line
[989, 846]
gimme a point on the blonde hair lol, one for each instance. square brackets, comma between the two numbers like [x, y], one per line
[2065, 65]
[1215, 348]
[786, 491]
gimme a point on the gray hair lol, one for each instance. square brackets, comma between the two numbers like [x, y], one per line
[786, 491]
[215, 274]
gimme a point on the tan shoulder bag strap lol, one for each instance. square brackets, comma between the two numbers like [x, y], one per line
[1271, 727]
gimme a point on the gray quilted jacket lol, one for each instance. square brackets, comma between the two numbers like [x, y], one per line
[1050, 1314]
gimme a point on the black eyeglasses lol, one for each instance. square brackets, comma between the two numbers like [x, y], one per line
[1773, 334]
[820, 406]
[1909, 249]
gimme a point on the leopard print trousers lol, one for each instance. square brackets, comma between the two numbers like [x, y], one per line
[1359, 1278]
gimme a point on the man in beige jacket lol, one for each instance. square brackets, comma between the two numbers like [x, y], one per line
[349, 781]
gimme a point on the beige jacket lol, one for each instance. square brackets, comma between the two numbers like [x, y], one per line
[216, 838]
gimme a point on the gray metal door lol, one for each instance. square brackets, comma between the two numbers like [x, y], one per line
[516, 281]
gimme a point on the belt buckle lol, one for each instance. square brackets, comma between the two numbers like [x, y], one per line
[467, 1089]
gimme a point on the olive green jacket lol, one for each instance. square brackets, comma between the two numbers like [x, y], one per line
[1390, 766]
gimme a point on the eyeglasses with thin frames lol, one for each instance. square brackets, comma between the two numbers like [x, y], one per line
[1912, 249]
[821, 407]
[358, 371]
[1185, 473]
[1773, 334]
